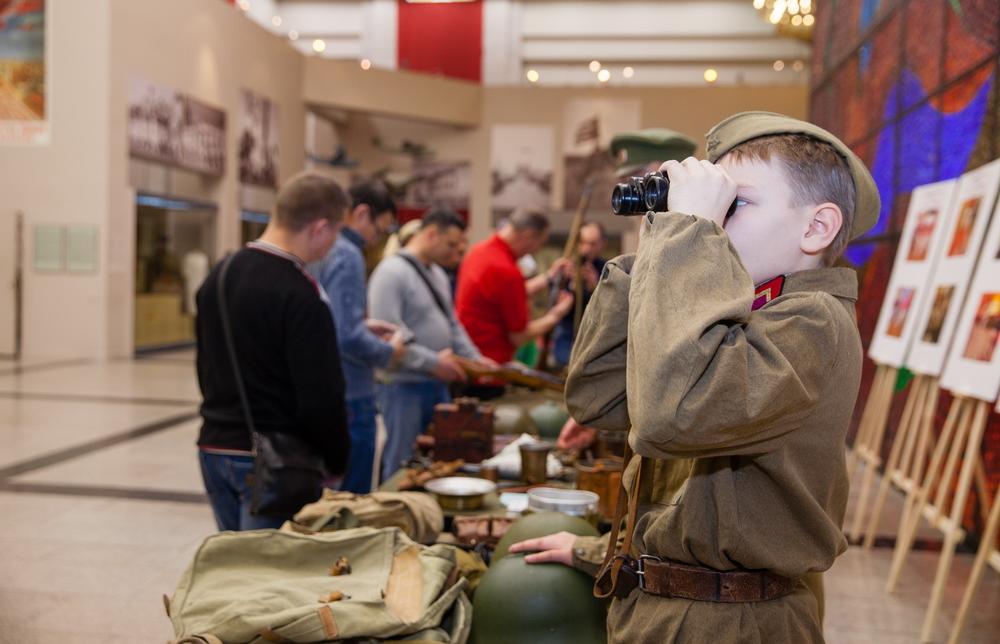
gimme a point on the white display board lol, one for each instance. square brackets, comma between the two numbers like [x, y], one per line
[972, 206]
[973, 367]
[920, 246]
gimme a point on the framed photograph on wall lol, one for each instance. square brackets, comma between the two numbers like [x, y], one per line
[24, 92]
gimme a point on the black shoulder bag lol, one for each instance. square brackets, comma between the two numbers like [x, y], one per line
[287, 472]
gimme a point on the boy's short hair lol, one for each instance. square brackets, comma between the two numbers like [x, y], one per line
[442, 218]
[524, 219]
[308, 197]
[374, 194]
[817, 174]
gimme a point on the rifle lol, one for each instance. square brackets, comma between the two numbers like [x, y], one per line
[569, 250]
[513, 373]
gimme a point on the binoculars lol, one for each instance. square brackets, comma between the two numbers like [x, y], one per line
[639, 195]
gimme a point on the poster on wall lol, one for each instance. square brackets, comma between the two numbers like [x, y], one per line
[919, 249]
[258, 141]
[23, 91]
[590, 125]
[971, 207]
[167, 126]
[437, 183]
[973, 367]
[521, 166]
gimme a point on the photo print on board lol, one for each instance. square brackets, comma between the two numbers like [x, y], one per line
[521, 168]
[923, 235]
[985, 330]
[939, 311]
[964, 226]
[900, 310]
[258, 142]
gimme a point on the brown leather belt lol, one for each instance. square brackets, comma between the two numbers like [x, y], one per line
[667, 579]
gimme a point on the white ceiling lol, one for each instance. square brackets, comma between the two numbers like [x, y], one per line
[666, 42]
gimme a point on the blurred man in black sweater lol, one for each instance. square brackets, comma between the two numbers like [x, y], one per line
[286, 346]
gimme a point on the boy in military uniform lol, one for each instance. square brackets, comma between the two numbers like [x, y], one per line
[738, 397]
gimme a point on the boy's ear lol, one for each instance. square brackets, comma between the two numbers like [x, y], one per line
[825, 223]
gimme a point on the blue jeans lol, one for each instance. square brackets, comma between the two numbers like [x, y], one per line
[225, 479]
[361, 427]
[407, 408]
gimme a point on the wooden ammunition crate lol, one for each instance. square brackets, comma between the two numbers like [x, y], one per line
[463, 429]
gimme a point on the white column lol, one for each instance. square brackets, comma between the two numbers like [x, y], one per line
[380, 21]
[501, 42]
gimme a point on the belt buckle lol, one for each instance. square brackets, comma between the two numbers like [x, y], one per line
[640, 568]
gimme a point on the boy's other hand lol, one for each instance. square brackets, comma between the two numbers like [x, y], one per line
[699, 188]
[555, 548]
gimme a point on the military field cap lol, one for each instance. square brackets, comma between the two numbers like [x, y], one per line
[636, 149]
[746, 126]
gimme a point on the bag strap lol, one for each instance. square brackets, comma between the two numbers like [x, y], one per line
[608, 576]
[430, 287]
[227, 333]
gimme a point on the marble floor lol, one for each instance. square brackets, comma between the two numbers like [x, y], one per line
[101, 508]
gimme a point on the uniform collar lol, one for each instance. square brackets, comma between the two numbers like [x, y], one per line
[353, 237]
[842, 283]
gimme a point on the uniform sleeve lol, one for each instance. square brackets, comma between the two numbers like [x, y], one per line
[705, 375]
[589, 553]
[343, 279]
[386, 299]
[313, 361]
[595, 386]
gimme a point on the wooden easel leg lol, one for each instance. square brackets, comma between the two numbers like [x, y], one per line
[911, 520]
[985, 548]
[864, 426]
[903, 442]
[972, 448]
[982, 489]
[872, 458]
[915, 472]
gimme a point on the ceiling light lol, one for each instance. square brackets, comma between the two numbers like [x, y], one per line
[758, 4]
[595, 66]
[798, 65]
[779, 65]
[319, 46]
[808, 20]
[796, 20]
[276, 21]
[604, 76]
[533, 76]
[244, 5]
[293, 35]
[366, 64]
[628, 72]
[711, 75]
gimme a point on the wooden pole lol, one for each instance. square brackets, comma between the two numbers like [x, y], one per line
[911, 520]
[904, 441]
[916, 470]
[861, 439]
[985, 548]
[972, 448]
[872, 452]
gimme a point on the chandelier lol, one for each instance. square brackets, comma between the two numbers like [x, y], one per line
[791, 17]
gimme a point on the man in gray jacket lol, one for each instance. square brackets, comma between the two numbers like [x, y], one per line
[411, 291]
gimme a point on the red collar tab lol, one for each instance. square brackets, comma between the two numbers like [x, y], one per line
[767, 291]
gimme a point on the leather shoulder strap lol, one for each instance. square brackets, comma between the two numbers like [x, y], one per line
[427, 282]
[606, 585]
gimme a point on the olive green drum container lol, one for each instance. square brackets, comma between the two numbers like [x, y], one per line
[517, 602]
[542, 524]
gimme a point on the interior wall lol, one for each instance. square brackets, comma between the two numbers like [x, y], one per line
[689, 110]
[207, 51]
[66, 182]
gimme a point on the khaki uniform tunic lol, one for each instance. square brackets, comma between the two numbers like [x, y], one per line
[740, 417]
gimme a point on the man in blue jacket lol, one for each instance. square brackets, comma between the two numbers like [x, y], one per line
[364, 344]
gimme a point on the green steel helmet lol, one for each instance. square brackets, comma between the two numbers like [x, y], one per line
[541, 524]
[511, 419]
[633, 150]
[518, 602]
[549, 418]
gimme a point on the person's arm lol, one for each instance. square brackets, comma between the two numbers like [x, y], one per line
[544, 280]
[705, 375]
[343, 279]
[313, 361]
[595, 385]
[386, 301]
[542, 325]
